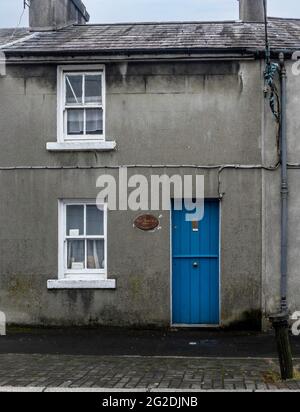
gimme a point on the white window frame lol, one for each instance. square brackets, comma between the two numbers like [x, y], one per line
[62, 71]
[85, 274]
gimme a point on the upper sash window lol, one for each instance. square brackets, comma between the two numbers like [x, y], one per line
[81, 104]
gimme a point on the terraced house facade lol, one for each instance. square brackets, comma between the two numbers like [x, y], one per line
[79, 101]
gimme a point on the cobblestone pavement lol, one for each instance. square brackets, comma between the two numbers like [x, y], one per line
[53, 371]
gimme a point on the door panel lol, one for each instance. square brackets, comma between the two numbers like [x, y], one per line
[195, 284]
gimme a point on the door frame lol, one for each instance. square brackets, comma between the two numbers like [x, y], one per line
[181, 325]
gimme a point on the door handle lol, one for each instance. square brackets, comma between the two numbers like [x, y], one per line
[195, 264]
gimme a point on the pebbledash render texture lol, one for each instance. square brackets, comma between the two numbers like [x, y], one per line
[79, 101]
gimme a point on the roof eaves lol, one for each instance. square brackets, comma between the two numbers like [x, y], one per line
[130, 52]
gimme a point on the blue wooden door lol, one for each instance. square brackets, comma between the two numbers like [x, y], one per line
[195, 284]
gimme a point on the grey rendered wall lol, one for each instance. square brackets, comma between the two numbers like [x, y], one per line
[271, 203]
[183, 113]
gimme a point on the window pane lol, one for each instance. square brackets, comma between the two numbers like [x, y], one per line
[76, 254]
[75, 217]
[93, 88]
[95, 254]
[74, 89]
[94, 221]
[94, 121]
[75, 122]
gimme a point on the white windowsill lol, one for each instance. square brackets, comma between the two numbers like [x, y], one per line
[81, 146]
[81, 284]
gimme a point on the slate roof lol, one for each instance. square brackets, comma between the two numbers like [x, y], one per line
[9, 35]
[157, 37]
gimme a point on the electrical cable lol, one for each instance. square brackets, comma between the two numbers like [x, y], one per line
[20, 20]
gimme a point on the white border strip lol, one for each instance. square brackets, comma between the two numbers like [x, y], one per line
[16, 389]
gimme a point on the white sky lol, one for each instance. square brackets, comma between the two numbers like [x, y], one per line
[103, 11]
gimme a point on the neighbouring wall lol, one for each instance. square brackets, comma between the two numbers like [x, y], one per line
[272, 210]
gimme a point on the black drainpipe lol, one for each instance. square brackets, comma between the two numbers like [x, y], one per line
[280, 321]
[280, 115]
[284, 187]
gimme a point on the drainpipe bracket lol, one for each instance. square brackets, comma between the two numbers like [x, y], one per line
[280, 319]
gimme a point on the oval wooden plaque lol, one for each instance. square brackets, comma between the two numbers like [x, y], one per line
[146, 222]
